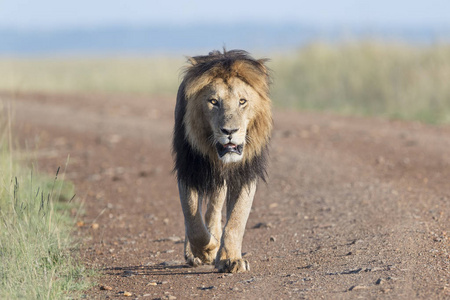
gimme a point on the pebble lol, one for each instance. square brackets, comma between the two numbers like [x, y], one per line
[272, 239]
[175, 239]
[127, 294]
[105, 288]
[263, 225]
[205, 288]
[170, 263]
[380, 281]
[127, 273]
[357, 287]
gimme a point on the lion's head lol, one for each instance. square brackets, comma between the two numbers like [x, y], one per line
[223, 111]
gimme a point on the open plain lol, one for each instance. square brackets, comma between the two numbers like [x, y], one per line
[353, 207]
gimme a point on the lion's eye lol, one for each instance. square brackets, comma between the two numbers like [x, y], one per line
[242, 101]
[213, 102]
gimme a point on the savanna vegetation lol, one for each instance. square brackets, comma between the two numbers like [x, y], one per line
[392, 80]
[37, 260]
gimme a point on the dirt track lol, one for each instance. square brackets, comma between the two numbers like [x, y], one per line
[353, 208]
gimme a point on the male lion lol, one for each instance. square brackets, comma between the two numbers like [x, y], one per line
[223, 123]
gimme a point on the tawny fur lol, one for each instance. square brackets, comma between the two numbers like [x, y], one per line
[241, 86]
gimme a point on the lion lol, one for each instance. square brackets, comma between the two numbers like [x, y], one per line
[223, 123]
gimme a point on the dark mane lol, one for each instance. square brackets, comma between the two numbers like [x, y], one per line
[193, 168]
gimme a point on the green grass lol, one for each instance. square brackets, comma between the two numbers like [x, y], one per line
[391, 80]
[37, 257]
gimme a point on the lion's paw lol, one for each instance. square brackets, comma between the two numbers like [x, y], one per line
[233, 266]
[197, 258]
[194, 261]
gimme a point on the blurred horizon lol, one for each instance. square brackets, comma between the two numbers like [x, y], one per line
[141, 27]
[255, 37]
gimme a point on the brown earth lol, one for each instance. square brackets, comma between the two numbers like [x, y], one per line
[353, 208]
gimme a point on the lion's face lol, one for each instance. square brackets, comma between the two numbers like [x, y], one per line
[227, 115]
[228, 120]
[228, 108]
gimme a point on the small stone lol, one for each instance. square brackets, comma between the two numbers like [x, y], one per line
[170, 263]
[127, 273]
[358, 287]
[174, 239]
[355, 271]
[152, 283]
[205, 288]
[380, 160]
[95, 226]
[272, 239]
[127, 294]
[262, 225]
[380, 281]
[105, 288]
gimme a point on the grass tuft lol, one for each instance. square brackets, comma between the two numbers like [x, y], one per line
[36, 260]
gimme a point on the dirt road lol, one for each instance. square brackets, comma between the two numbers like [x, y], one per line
[353, 208]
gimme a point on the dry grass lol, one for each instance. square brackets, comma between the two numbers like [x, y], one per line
[147, 76]
[368, 78]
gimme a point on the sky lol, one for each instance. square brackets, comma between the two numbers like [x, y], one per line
[64, 14]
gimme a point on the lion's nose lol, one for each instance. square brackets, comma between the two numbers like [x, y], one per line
[229, 131]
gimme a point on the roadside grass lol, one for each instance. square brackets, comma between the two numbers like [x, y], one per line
[37, 257]
[373, 78]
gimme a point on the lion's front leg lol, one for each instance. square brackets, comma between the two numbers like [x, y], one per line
[229, 258]
[213, 215]
[200, 245]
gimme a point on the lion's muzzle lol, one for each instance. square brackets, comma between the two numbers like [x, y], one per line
[229, 148]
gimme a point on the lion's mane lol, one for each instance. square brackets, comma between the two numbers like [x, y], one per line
[203, 171]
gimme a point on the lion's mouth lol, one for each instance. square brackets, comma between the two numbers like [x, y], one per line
[229, 148]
